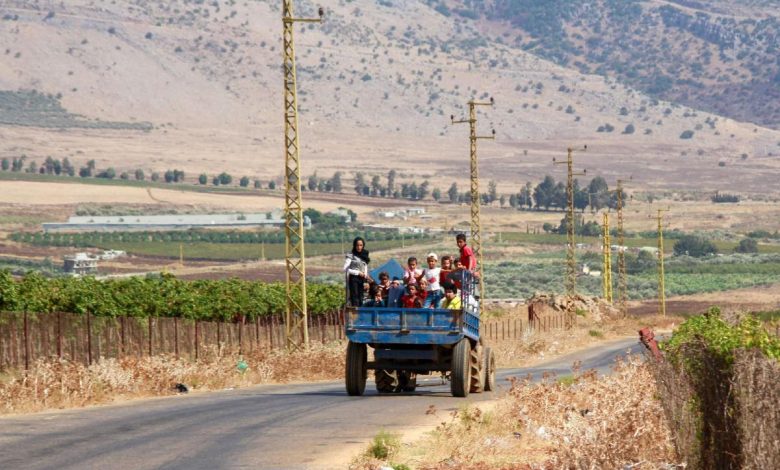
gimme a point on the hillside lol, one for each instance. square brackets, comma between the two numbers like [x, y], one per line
[719, 56]
[377, 83]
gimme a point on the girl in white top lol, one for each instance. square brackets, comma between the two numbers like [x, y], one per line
[431, 274]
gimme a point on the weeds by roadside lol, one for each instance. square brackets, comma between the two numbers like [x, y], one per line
[53, 384]
[584, 421]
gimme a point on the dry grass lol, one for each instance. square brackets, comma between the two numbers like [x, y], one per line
[64, 384]
[536, 347]
[586, 421]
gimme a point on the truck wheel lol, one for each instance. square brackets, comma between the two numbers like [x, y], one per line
[460, 379]
[407, 380]
[386, 381]
[477, 370]
[356, 369]
[490, 370]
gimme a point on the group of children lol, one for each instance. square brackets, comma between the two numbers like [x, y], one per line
[429, 287]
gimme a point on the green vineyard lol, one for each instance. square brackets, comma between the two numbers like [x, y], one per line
[165, 296]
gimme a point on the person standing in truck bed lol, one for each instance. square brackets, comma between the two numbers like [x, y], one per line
[356, 268]
[467, 258]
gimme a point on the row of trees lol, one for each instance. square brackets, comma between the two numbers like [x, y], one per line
[551, 194]
[64, 167]
[226, 299]
[106, 239]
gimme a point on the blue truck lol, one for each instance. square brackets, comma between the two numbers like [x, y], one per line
[409, 342]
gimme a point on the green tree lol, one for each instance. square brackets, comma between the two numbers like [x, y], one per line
[391, 181]
[203, 178]
[492, 191]
[452, 193]
[258, 184]
[139, 175]
[376, 185]
[272, 184]
[108, 173]
[747, 245]
[244, 182]
[360, 184]
[694, 245]
[544, 193]
[6, 164]
[525, 198]
[436, 194]
[423, 190]
[68, 168]
[312, 183]
[335, 182]
[225, 178]
[599, 193]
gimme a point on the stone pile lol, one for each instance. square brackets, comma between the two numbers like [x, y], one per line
[593, 308]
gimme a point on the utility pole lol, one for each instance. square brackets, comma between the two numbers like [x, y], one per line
[295, 315]
[607, 265]
[622, 273]
[476, 226]
[571, 262]
[661, 279]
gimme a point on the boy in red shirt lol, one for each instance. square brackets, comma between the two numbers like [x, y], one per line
[412, 299]
[466, 253]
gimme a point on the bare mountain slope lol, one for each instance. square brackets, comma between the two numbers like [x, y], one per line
[378, 82]
[722, 56]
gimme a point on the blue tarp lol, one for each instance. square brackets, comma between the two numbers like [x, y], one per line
[393, 268]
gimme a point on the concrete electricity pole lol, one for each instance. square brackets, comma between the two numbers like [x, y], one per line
[607, 264]
[661, 279]
[571, 262]
[476, 226]
[295, 315]
[622, 273]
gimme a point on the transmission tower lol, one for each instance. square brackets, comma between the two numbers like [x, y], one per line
[661, 279]
[571, 262]
[607, 265]
[476, 226]
[295, 315]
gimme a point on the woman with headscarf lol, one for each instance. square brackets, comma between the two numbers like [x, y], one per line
[356, 268]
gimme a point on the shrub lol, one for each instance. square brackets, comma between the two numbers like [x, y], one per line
[748, 245]
[687, 134]
[384, 445]
[694, 245]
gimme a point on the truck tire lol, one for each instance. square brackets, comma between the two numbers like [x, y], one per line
[386, 381]
[356, 369]
[460, 377]
[407, 380]
[477, 369]
[490, 370]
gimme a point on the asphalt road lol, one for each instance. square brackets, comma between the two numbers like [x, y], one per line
[302, 426]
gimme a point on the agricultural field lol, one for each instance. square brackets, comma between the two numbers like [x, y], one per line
[544, 272]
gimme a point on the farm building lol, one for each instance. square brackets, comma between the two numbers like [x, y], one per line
[80, 264]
